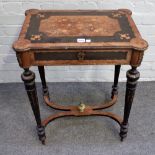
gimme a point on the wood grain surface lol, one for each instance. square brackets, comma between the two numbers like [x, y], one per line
[62, 29]
[79, 26]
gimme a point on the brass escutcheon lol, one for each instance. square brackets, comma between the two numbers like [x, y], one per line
[81, 107]
[81, 55]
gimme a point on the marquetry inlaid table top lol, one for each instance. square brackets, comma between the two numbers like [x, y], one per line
[71, 29]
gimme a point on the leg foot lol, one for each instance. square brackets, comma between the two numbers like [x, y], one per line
[123, 131]
[43, 142]
[41, 134]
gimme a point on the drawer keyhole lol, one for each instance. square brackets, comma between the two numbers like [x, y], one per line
[81, 55]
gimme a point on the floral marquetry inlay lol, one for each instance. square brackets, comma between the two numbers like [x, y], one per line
[57, 26]
[125, 36]
[116, 15]
[35, 37]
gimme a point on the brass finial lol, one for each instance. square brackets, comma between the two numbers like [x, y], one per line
[81, 107]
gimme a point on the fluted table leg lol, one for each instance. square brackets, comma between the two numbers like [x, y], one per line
[132, 78]
[29, 80]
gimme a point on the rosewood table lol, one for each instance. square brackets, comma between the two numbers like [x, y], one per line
[50, 37]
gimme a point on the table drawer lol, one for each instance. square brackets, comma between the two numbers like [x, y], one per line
[81, 57]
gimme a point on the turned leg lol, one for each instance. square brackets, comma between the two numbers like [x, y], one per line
[43, 80]
[29, 80]
[132, 78]
[116, 77]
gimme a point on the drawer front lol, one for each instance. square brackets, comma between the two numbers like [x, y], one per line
[82, 57]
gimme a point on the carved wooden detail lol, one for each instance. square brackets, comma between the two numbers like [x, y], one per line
[137, 57]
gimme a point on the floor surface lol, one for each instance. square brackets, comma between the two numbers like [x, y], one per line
[76, 135]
